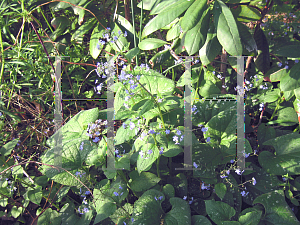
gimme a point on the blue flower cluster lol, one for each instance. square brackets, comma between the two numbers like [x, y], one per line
[95, 130]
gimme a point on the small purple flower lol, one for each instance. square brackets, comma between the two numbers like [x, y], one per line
[247, 155]
[175, 138]
[116, 193]
[119, 32]
[132, 125]
[239, 172]
[178, 132]
[232, 161]
[108, 28]
[254, 181]
[155, 198]
[222, 176]
[125, 33]
[151, 132]
[131, 218]
[279, 64]
[160, 198]
[204, 129]
[96, 139]
[167, 131]
[120, 187]
[159, 100]
[244, 194]
[286, 67]
[195, 165]
[296, 61]
[208, 140]
[184, 197]
[150, 151]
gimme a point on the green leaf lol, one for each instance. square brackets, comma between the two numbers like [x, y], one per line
[62, 5]
[208, 88]
[147, 4]
[262, 61]
[193, 15]
[149, 104]
[245, 13]
[286, 160]
[248, 41]
[161, 5]
[67, 213]
[211, 48]
[78, 34]
[105, 205]
[219, 211]
[270, 96]
[132, 53]
[147, 210]
[144, 163]
[49, 216]
[15, 211]
[288, 50]
[277, 211]
[125, 25]
[155, 82]
[172, 149]
[227, 30]
[151, 43]
[59, 23]
[265, 133]
[126, 134]
[74, 128]
[250, 216]
[143, 181]
[195, 38]
[180, 212]
[168, 191]
[220, 189]
[96, 34]
[200, 220]
[121, 44]
[291, 80]
[165, 17]
[35, 195]
[8, 147]
[159, 58]
[174, 32]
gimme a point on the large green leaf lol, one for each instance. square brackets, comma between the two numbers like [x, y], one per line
[219, 211]
[161, 5]
[211, 48]
[144, 163]
[193, 15]
[63, 5]
[200, 220]
[167, 16]
[75, 127]
[288, 50]
[227, 31]
[277, 211]
[147, 210]
[121, 44]
[286, 160]
[125, 25]
[245, 13]
[263, 59]
[49, 216]
[291, 80]
[143, 181]
[96, 34]
[151, 43]
[250, 216]
[180, 213]
[6, 149]
[248, 41]
[83, 29]
[195, 38]
[59, 23]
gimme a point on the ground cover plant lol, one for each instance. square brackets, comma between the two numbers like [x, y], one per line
[149, 47]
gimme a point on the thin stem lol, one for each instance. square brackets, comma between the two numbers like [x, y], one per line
[46, 20]
[134, 38]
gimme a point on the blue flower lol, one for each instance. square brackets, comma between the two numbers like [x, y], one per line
[296, 61]
[87, 192]
[167, 131]
[279, 64]
[175, 138]
[116, 193]
[208, 140]
[184, 197]
[108, 28]
[120, 187]
[232, 161]
[124, 125]
[239, 172]
[178, 132]
[286, 67]
[96, 139]
[132, 125]
[138, 77]
[119, 32]
[151, 132]
[244, 194]
[125, 33]
[222, 176]
[195, 165]
[150, 151]
[131, 218]
[161, 151]
[254, 181]
[247, 155]
[204, 129]
[194, 108]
